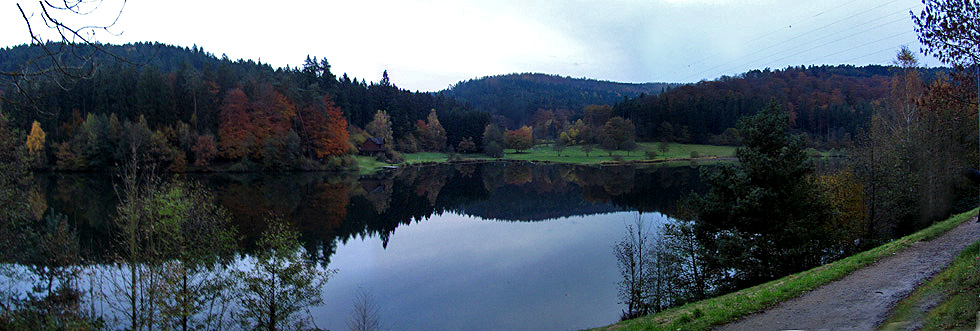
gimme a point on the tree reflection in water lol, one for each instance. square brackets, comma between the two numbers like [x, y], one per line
[176, 284]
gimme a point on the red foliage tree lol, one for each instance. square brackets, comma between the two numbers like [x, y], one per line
[204, 150]
[326, 129]
[272, 115]
[235, 126]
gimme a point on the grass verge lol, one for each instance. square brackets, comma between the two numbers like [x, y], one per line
[572, 154]
[948, 301]
[704, 314]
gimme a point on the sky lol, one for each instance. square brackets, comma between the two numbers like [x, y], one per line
[428, 45]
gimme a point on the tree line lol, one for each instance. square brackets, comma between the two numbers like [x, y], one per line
[193, 109]
[514, 98]
[831, 105]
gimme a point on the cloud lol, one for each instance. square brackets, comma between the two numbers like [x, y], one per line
[430, 44]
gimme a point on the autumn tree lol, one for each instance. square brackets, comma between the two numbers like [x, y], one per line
[380, 127]
[326, 129]
[235, 128]
[579, 133]
[466, 145]
[272, 116]
[845, 192]
[948, 29]
[597, 115]
[431, 134]
[519, 139]
[618, 134]
[204, 150]
[35, 140]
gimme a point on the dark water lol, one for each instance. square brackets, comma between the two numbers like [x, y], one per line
[492, 246]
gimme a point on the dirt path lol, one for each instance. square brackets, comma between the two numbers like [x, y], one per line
[861, 300]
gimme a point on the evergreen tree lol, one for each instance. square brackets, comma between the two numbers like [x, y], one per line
[761, 218]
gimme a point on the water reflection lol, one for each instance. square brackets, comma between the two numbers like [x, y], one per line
[511, 236]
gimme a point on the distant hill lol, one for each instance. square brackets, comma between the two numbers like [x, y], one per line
[831, 104]
[516, 96]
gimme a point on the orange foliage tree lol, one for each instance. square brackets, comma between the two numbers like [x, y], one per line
[272, 115]
[519, 139]
[326, 129]
[235, 127]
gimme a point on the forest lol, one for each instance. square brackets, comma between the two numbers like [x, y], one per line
[184, 107]
[514, 98]
[832, 105]
[189, 110]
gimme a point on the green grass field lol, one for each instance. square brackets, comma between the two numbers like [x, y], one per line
[572, 154]
[575, 154]
[702, 315]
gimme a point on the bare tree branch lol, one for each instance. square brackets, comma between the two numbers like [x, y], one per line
[66, 58]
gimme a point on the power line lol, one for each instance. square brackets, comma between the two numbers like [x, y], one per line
[765, 34]
[837, 40]
[892, 48]
[810, 32]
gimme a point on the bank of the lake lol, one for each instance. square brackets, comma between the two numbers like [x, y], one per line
[705, 314]
[645, 152]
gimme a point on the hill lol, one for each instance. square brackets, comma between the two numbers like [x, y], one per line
[831, 104]
[515, 97]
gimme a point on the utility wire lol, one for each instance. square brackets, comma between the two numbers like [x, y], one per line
[759, 37]
[837, 40]
[713, 69]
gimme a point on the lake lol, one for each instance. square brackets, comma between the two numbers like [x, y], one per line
[478, 246]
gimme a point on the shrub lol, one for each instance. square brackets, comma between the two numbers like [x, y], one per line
[394, 157]
[651, 154]
[493, 149]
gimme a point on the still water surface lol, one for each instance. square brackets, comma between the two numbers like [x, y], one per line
[493, 246]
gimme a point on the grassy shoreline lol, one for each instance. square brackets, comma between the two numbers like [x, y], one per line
[704, 314]
[570, 155]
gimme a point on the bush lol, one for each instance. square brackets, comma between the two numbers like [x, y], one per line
[394, 157]
[695, 154]
[243, 165]
[408, 144]
[334, 163]
[493, 149]
[651, 154]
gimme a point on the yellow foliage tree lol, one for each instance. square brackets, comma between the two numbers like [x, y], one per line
[35, 140]
[846, 195]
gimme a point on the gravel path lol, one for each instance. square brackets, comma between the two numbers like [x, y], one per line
[861, 300]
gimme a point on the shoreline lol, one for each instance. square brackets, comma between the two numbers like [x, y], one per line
[720, 310]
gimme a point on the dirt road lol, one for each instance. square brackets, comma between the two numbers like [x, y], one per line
[861, 300]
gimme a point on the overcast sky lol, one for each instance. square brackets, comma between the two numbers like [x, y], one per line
[428, 45]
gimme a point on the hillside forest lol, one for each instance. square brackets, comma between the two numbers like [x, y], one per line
[188, 110]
